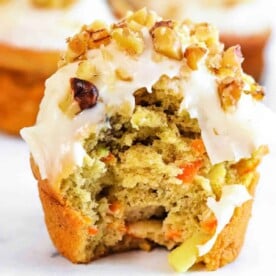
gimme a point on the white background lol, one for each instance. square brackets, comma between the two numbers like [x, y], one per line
[25, 248]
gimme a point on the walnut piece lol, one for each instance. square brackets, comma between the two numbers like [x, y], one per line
[123, 75]
[130, 41]
[141, 18]
[86, 71]
[193, 55]
[90, 37]
[77, 46]
[166, 40]
[98, 38]
[230, 90]
[206, 33]
[232, 58]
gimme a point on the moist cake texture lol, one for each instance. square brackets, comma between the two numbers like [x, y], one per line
[148, 135]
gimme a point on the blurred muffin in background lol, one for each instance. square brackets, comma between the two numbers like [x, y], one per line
[32, 35]
[243, 22]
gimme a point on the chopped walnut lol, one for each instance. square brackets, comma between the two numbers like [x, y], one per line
[98, 38]
[206, 33]
[85, 93]
[95, 26]
[123, 75]
[193, 55]
[166, 40]
[214, 57]
[232, 58]
[129, 41]
[68, 106]
[90, 37]
[230, 90]
[77, 47]
[86, 71]
[141, 18]
[256, 91]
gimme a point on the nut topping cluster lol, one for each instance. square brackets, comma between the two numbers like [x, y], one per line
[188, 43]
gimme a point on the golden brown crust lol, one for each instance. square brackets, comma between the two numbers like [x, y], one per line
[19, 100]
[252, 46]
[231, 239]
[22, 76]
[68, 230]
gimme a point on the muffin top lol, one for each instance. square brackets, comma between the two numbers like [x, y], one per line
[45, 24]
[104, 66]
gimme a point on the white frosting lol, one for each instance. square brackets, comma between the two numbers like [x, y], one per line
[24, 26]
[54, 138]
[232, 196]
[56, 141]
[247, 18]
[227, 136]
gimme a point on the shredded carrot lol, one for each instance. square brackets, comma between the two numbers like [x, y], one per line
[246, 165]
[189, 170]
[114, 206]
[109, 158]
[198, 146]
[92, 231]
[173, 234]
[209, 225]
[122, 228]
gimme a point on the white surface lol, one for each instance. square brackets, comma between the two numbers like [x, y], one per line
[25, 248]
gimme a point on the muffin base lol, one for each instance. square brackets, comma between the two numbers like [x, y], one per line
[69, 232]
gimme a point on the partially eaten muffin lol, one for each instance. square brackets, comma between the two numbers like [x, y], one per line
[148, 135]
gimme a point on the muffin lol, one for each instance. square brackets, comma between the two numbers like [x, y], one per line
[149, 134]
[32, 34]
[243, 22]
